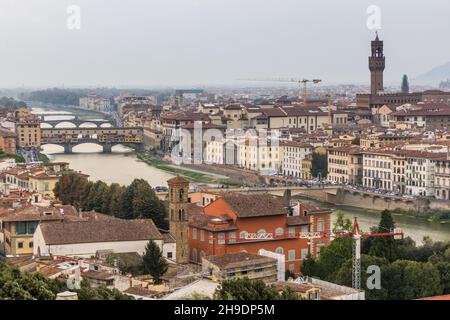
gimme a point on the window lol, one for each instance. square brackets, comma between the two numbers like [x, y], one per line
[291, 255]
[291, 267]
[305, 229]
[30, 244]
[194, 233]
[320, 226]
[26, 227]
[279, 250]
[232, 237]
[169, 255]
[261, 231]
[292, 231]
[243, 234]
[20, 245]
[202, 235]
[279, 231]
[211, 238]
[304, 253]
[221, 238]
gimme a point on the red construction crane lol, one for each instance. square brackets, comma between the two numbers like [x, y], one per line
[357, 235]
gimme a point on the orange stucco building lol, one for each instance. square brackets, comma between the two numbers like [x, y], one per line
[236, 222]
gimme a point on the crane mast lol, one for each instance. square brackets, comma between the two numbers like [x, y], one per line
[303, 82]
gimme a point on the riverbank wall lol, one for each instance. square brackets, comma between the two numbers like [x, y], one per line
[375, 201]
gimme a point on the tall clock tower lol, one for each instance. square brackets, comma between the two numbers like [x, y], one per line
[178, 216]
[377, 65]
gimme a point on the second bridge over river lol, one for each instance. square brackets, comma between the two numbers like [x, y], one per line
[105, 137]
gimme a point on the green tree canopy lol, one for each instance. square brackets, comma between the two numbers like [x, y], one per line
[385, 247]
[153, 262]
[70, 188]
[245, 289]
[342, 223]
[319, 165]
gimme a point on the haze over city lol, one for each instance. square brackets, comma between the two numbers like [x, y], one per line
[196, 42]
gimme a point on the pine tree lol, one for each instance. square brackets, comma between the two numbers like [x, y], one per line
[385, 247]
[153, 262]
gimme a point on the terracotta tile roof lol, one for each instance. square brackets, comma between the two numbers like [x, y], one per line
[30, 213]
[239, 259]
[255, 205]
[202, 221]
[177, 179]
[107, 230]
[297, 221]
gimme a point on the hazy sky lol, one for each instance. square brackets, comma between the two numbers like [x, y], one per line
[188, 42]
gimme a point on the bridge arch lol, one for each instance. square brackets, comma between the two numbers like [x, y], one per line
[65, 124]
[88, 124]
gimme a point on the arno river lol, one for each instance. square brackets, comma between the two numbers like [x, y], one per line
[122, 166]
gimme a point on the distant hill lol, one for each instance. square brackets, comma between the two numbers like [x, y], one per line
[434, 77]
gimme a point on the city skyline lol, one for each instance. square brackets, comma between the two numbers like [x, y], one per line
[181, 43]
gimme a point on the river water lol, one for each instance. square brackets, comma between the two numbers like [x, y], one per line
[122, 166]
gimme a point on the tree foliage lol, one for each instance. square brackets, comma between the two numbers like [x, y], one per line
[407, 271]
[137, 201]
[153, 262]
[245, 289]
[16, 285]
[86, 292]
[342, 223]
[385, 247]
[319, 165]
[10, 103]
[70, 189]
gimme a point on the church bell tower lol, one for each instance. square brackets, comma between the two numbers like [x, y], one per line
[376, 66]
[178, 217]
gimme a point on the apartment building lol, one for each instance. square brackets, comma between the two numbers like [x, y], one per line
[309, 119]
[28, 129]
[399, 174]
[442, 178]
[36, 178]
[420, 173]
[95, 103]
[345, 164]
[7, 141]
[294, 152]
[263, 155]
[236, 222]
[378, 170]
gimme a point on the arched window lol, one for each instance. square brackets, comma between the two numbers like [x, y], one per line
[279, 250]
[180, 215]
[261, 231]
[181, 194]
[279, 231]
[243, 234]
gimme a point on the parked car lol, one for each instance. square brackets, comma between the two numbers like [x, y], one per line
[161, 189]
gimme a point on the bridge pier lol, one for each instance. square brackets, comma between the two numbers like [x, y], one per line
[68, 148]
[107, 148]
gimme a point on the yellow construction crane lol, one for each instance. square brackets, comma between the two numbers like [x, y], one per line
[301, 82]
